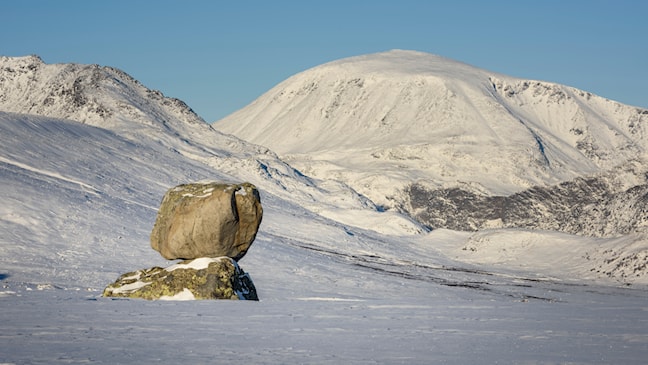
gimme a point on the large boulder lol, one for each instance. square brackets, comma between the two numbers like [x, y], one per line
[202, 278]
[207, 220]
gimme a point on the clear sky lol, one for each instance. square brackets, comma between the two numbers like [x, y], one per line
[218, 56]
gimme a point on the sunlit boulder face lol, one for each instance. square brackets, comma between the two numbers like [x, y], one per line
[203, 278]
[207, 220]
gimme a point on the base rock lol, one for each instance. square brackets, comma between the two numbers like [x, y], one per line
[201, 278]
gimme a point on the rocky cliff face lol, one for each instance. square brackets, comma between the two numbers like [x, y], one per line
[605, 205]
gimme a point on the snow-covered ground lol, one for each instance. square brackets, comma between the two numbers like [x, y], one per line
[420, 323]
[339, 280]
[79, 204]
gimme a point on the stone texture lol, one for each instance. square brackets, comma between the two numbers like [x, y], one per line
[202, 278]
[591, 207]
[207, 220]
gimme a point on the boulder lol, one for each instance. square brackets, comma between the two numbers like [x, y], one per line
[207, 220]
[202, 278]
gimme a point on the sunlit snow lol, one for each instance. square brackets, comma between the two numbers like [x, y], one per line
[339, 280]
[185, 294]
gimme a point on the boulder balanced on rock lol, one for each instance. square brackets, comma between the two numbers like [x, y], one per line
[207, 220]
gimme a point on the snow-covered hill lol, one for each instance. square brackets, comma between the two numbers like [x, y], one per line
[339, 279]
[109, 98]
[90, 94]
[385, 122]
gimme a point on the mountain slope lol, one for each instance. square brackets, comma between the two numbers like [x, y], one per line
[442, 141]
[583, 206]
[109, 98]
[385, 120]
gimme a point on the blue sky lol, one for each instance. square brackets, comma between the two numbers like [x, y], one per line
[218, 56]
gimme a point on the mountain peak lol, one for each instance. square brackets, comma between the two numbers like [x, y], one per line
[402, 62]
[390, 118]
[22, 60]
[91, 94]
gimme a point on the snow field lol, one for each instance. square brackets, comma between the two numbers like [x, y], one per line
[340, 281]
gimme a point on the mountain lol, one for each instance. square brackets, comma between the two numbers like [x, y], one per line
[340, 279]
[399, 123]
[91, 94]
[110, 99]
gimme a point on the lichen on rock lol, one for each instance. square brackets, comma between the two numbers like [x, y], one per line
[201, 278]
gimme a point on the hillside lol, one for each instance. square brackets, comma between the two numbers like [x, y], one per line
[385, 122]
[110, 99]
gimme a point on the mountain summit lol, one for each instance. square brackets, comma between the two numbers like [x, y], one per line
[96, 95]
[382, 122]
[405, 98]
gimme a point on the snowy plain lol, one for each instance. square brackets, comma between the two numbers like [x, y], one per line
[339, 280]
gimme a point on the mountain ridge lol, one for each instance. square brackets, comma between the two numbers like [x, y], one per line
[75, 91]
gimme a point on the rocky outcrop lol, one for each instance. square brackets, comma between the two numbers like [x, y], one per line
[203, 278]
[585, 206]
[207, 220]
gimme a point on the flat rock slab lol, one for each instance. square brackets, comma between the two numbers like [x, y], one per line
[202, 278]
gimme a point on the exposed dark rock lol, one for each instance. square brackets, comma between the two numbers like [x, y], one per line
[202, 278]
[585, 206]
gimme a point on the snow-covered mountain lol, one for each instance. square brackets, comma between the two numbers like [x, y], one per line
[341, 280]
[109, 98]
[384, 122]
[91, 94]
